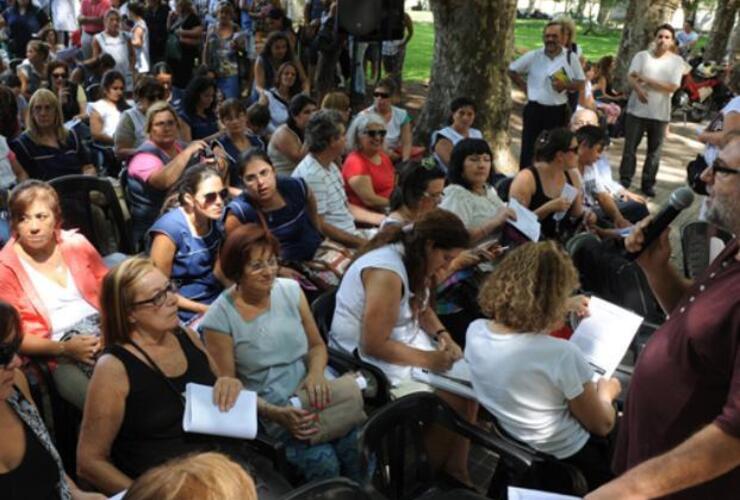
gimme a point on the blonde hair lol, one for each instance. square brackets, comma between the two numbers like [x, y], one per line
[336, 100]
[46, 96]
[117, 295]
[568, 25]
[529, 289]
[160, 107]
[206, 476]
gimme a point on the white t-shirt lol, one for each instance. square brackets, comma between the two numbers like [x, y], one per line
[473, 209]
[605, 173]
[668, 68]
[526, 380]
[711, 151]
[593, 185]
[346, 326]
[109, 113]
[327, 185]
[539, 67]
[399, 117]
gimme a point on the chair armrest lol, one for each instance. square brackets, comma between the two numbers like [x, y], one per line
[377, 393]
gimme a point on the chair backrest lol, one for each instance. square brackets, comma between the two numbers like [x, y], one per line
[695, 243]
[338, 488]
[91, 205]
[323, 311]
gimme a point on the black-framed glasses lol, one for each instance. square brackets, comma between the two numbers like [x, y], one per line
[159, 298]
[210, 198]
[59, 75]
[376, 133]
[717, 167]
[381, 95]
[8, 350]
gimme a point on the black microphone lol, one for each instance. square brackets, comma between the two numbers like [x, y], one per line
[681, 198]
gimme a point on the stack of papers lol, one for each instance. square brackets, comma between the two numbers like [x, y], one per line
[203, 417]
[526, 494]
[455, 380]
[526, 221]
[569, 193]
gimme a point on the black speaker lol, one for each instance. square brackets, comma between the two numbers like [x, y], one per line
[371, 20]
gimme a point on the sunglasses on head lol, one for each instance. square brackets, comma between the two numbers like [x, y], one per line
[382, 95]
[376, 133]
[210, 198]
[8, 350]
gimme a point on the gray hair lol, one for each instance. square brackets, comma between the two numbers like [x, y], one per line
[360, 125]
[323, 127]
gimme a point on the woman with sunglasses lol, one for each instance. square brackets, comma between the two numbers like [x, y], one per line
[368, 171]
[542, 187]
[133, 416]
[30, 466]
[286, 148]
[397, 121]
[186, 239]
[70, 95]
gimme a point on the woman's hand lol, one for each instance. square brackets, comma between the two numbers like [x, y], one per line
[445, 343]
[559, 204]
[87, 495]
[503, 214]
[225, 392]
[194, 147]
[465, 259]
[578, 304]
[440, 360]
[299, 422]
[82, 348]
[318, 390]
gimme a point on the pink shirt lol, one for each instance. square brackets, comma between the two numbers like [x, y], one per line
[382, 176]
[143, 165]
[94, 9]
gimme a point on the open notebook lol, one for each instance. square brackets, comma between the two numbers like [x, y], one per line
[203, 417]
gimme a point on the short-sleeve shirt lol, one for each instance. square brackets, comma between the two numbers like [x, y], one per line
[539, 68]
[143, 164]
[684, 38]
[46, 162]
[668, 68]
[526, 381]
[291, 225]
[94, 9]
[200, 126]
[593, 185]
[688, 376]
[399, 118]
[195, 256]
[382, 176]
[711, 151]
[109, 114]
[328, 188]
[269, 349]
[474, 210]
[233, 154]
[131, 127]
[22, 26]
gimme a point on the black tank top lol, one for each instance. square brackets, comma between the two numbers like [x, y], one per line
[37, 475]
[549, 226]
[151, 431]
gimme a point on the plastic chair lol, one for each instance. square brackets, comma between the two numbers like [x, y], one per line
[695, 238]
[395, 436]
[105, 225]
[339, 488]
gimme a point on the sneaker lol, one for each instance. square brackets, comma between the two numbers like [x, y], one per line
[648, 191]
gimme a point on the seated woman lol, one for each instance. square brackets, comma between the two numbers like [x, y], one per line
[46, 150]
[89, 74]
[542, 187]
[277, 98]
[105, 113]
[52, 277]
[284, 205]
[185, 240]
[276, 51]
[30, 466]
[420, 190]
[131, 130]
[460, 127]
[236, 138]
[338, 101]
[11, 171]
[71, 95]
[198, 109]
[368, 171]
[133, 416]
[242, 330]
[470, 194]
[397, 121]
[32, 71]
[539, 387]
[286, 149]
[156, 166]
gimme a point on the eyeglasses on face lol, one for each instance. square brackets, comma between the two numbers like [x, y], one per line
[164, 123]
[257, 266]
[160, 297]
[437, 197]
[8, 350]
[719, 167]
[376, 133]
[59, 75]
[210, 198]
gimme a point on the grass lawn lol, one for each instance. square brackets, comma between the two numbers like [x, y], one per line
[528, 35]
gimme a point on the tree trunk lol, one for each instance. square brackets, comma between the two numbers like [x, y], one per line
[643, 16]
[724, 19]
[605, 12]
[689, 9]
[581, 8]
[735, 45]
[474, 42]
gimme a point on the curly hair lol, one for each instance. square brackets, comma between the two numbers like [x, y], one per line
[529, 289]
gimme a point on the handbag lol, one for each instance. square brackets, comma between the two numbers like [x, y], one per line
[345, 411]
[86, 326]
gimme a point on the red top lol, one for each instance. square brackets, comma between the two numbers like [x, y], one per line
[85, 265]
[94, 9]
[383, 176]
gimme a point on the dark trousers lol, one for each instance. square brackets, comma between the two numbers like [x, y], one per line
[633, 211]
[536, 118]
[634, 128]
[594, 461]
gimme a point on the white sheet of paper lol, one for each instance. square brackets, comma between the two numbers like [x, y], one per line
[605, 335]
[203, 417]
[118, 496]
[569, 193]
[526, 494]
[455, 380]
[526, 220]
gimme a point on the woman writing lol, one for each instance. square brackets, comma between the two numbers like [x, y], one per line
[368, 171]
[186, 239]
[461, 127]
[286, 148]
[539, 387]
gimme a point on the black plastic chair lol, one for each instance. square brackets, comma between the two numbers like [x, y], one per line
[695, 238]
[78, 195]
[339, 488]
[395, 436]
[377, 393]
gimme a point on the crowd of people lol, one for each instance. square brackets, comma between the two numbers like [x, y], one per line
[254, 189]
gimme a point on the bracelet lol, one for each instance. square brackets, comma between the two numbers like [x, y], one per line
[438, 333]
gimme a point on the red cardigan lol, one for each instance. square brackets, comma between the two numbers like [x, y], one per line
[85, 264]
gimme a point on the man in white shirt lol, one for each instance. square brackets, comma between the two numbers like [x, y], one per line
[551, 72]
[654, 75]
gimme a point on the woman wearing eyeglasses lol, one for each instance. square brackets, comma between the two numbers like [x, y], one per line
[397, 121]
[186, 239]
[71, 96]
[133, 416]
[368, 171]
[30, 466]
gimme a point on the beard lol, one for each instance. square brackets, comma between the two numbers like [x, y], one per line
[724, 214]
